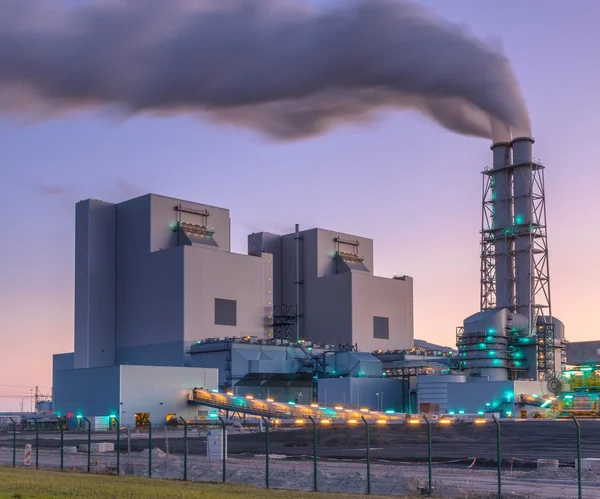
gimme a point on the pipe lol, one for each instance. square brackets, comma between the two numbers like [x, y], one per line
[523, 218]
[503, 215]
[297, 237]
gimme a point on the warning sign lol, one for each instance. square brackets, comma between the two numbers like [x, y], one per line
[27, 454]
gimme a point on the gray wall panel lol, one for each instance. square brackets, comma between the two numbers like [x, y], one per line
[95, 259]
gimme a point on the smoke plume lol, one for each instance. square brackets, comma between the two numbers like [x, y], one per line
[281, 67]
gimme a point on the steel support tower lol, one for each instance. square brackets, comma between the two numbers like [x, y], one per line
[514, 245]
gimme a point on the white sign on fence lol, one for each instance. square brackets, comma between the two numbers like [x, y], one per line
[27, 454]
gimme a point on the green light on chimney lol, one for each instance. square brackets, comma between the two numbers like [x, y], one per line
[519, 218]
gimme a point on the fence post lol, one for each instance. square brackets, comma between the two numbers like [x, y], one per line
[368, 455]
[185, 448]
[315, 483]
[89, 428]
[118, 446]
[266, 420]
[578, 457]
[62, 445]
[498, 456]
[37, 444]
[14, 442]
[429, 483]
[224, 436]
[149, 449]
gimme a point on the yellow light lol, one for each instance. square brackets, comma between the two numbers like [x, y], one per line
[445, 421]
[339, 408]
[277, 421]
[270, 400]
[352, 421]
[249, 397]
[381, 421]
[314, 405]
[325, 421]
[299, 421]
[480, 421]
[414, 421]
[229, 393]
[364, 409]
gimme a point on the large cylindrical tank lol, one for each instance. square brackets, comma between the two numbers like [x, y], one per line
[483, 346]
[503, 216]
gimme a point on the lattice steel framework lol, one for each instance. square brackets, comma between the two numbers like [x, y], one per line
[285, 318]
[546, 363]
[535, 255]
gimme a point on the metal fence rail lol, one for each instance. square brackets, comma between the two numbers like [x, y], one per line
[491, 458]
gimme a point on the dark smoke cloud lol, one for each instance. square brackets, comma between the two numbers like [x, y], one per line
[278, 66]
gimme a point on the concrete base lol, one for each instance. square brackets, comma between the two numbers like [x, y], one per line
[98, 447]
[70, 449]
[590, 464]
[547, 463]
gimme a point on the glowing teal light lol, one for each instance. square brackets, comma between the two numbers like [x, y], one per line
[487, 404]
[546, 404]
[112, 416]
[291, 403]
[481, 413]
[482, 346]
[519, 218]
[461, 411]
[491, 330]
[79, 416]
[451, 413]
[214, 390]
[509, 395]
[491, 353]
[568, 396]
[57, 414]
[390, 411]
[213, 415]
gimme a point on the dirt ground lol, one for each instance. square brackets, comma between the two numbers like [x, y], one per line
[525, 441]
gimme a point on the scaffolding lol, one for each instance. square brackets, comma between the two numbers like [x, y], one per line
[545, 351]
[285, 318]
[535, 255]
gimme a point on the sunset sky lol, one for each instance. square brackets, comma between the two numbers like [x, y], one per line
[414, 186]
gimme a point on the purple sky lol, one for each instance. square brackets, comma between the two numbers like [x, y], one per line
[417, 185]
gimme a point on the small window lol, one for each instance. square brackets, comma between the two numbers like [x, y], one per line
[381, 328]
[225, 312]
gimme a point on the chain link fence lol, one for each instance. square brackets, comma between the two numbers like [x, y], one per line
[484, 458]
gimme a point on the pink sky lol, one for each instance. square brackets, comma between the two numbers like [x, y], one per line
[418, 187]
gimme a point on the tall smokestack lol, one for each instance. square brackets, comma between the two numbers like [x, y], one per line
[501, 184]
[523, 218]
[285, 68]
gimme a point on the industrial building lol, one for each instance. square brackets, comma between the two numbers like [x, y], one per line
[163, 306]
[326, 279]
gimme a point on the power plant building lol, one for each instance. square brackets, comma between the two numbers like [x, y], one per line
[157, 286]
[162, 306]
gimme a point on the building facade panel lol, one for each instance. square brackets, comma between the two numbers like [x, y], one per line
[385, 299]
[242, 280]
[95, 268]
